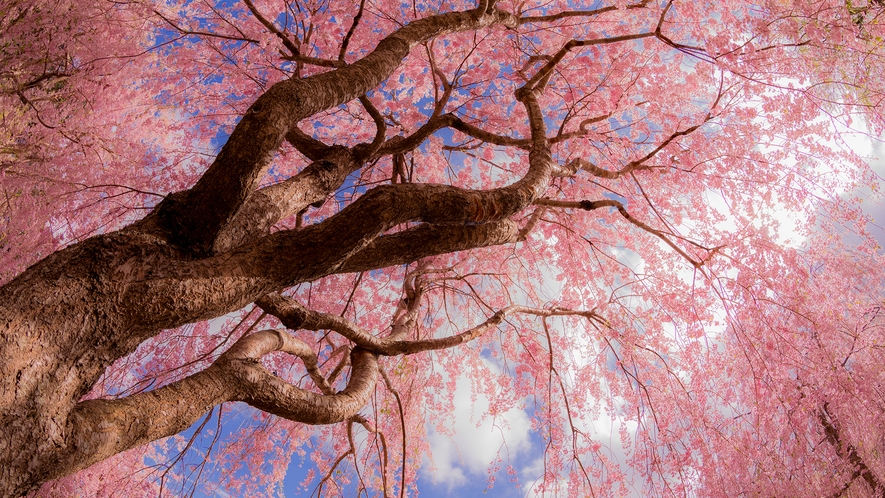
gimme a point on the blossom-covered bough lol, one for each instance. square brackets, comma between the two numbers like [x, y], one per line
[579, 207]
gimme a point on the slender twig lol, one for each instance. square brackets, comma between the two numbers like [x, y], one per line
[349, 35]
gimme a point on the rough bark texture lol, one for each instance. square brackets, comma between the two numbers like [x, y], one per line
[206, 251]
[701, 200]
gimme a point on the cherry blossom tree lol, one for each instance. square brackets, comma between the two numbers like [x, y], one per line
[645, 213]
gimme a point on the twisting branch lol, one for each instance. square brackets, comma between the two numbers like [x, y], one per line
[582, 128]
[309, 359]
[193, 218]
[533, 221]
[101, 428]
[698, 52]
[356, 20]
[294, 49]
[312, 148]
[294, 315]
[592, 205]
[290, 257]
[577, 164]
[544, 73]
[380, 127]
[577, 13]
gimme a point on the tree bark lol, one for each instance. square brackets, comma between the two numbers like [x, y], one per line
[207, 251]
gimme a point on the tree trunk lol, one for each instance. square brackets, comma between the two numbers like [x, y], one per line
[205, 252]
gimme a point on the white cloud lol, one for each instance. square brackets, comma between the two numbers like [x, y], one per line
[606, 432]
[475, 438]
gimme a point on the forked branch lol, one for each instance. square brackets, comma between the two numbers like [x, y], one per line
[294, 315]
[592, 205]
[102, 428]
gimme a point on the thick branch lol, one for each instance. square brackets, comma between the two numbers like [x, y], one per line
[312, 148]
[380, 126]
[196, 217]
[267, 206]
[135, 284]
[102, 428]
[138, 286]
[847, 450]
[429, 240]
[285, 258]
[265, 391]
